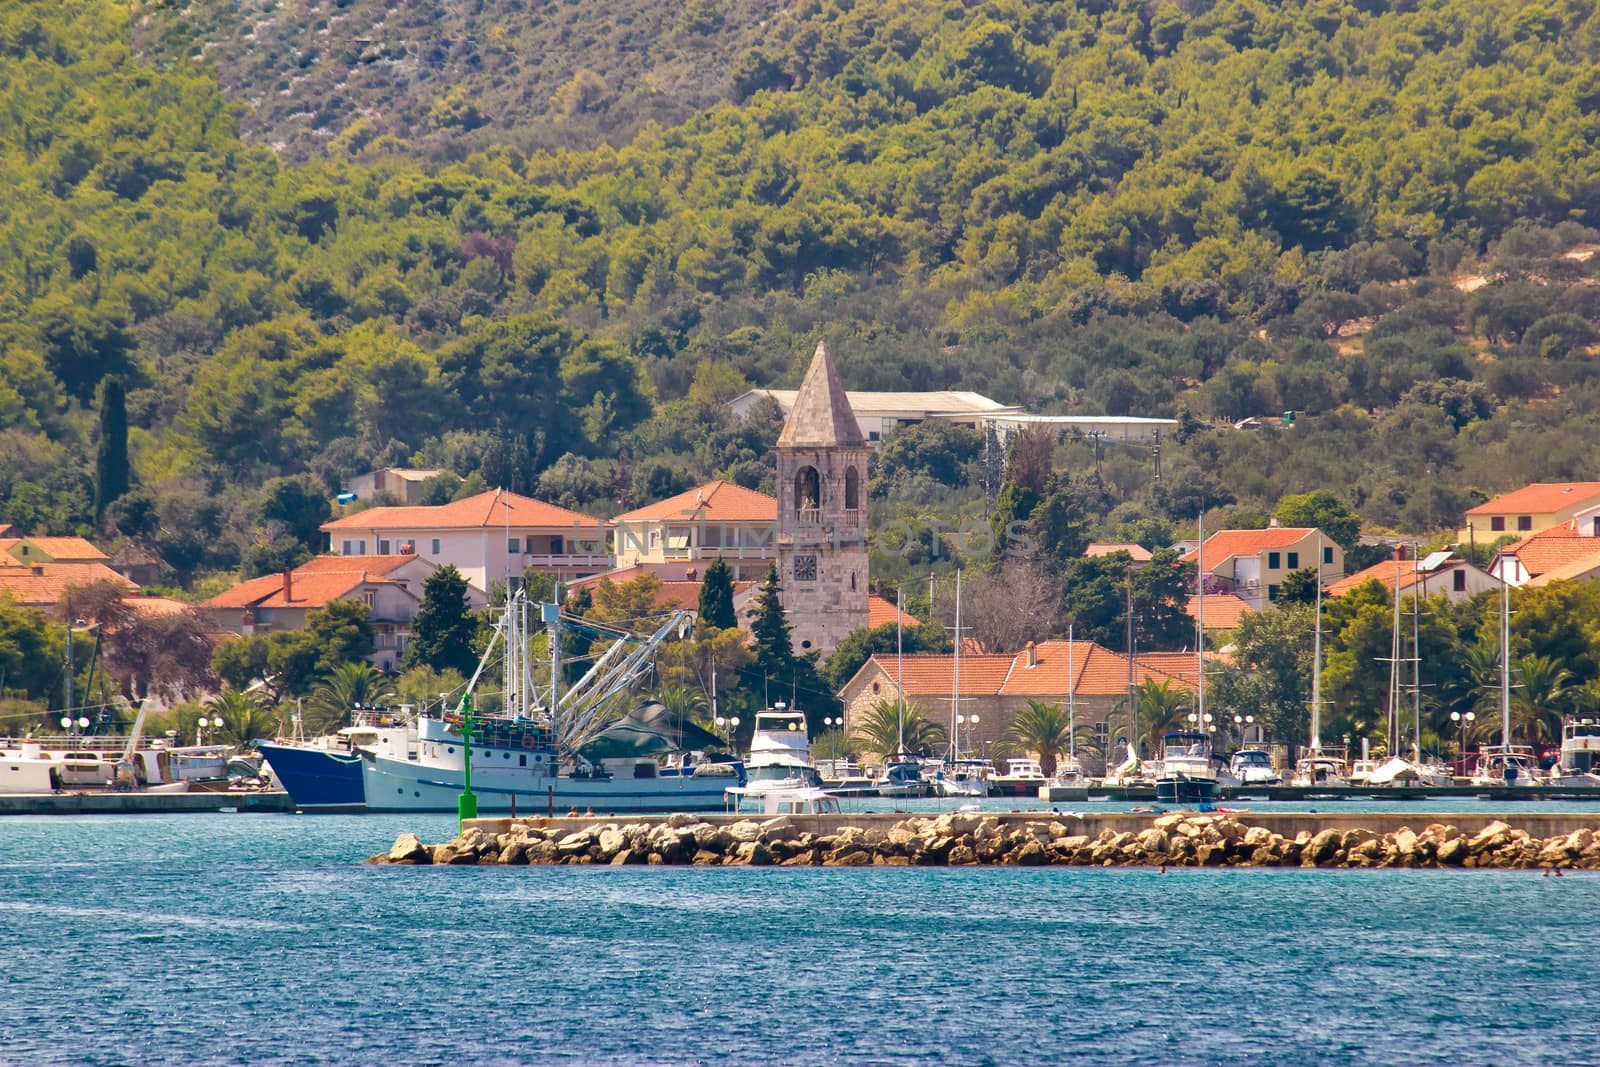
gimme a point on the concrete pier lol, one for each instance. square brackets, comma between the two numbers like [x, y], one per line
[114, 803]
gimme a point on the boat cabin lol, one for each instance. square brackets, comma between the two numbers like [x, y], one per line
[1580, 746]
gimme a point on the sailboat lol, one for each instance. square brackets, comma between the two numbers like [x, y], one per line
[1506, 764]
[902, 773]
[1188, 775]
[1319, 765]
[959, 777]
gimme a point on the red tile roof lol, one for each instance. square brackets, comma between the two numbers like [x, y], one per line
[369, 564]
[1558, 547]
[1227, 543]
[719, 501]
[484, 511]
[1138, 553]
[307, 590]
[933, 676]
[880, 612]
[1096, 671]
[685, 596]
[1540, 498]
[43, 589]
[153, 606]
[1224, 611]
[66, 549]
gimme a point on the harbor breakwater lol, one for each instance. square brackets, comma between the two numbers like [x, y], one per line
[1182, 839]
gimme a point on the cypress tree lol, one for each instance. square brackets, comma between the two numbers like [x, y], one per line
[443, 629]
[774, 649]
[716, 597]
[111, 457]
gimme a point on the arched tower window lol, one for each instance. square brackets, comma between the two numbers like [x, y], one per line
[807, 490]
[852, 489]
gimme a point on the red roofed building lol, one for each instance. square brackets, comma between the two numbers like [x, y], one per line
[1440, 573]
[40, 585]
[1563, 552]
[29, 550]
[1224, 611]
[487, 537]
[1251, 564]
[993, 687]
[390, 586]
[716, 520]
[1534, 509]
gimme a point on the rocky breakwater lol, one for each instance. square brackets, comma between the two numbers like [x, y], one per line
[1181, 840]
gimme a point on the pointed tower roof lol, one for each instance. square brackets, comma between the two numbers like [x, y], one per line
[821, 414]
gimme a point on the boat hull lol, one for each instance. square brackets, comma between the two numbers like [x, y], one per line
[392, 785]
[317, 779]
[1183, 789]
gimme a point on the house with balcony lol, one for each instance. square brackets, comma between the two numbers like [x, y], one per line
[1533, 509]
[488, 537]
[1252, 564]
[718, 520]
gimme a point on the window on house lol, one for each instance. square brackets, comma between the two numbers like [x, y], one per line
[370, 598]
[514, 545]
[361, 548]
[558, 546]
[435, 546]
[383, 548]
[1272, 592]
[1102, 730]
[1458, 580]
[1498, 523]
[655, 538]
[1294, 561]
[345, 551]
[1524, 522]
[1274, 561]
[1327, 553]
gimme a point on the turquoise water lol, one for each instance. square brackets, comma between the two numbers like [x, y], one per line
[260, 939]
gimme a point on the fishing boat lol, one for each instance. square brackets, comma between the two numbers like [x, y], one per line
[89, 762]
[324, 774]
[551, 750]
[1188, 775]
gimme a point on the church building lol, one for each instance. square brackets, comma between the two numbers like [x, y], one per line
[822, 512]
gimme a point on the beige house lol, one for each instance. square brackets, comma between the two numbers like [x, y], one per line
[994, 687]
[1440, 573]
[390, 586]
[402, 483]
[719, 520]
[30, 550]
[1533, 509]
[488, 537]
[1252, 564]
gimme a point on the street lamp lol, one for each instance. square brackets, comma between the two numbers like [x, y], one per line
[1465, 723]
[202, 724]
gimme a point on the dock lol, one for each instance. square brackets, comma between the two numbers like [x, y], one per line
[108, 802]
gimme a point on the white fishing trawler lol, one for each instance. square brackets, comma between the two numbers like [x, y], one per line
[573, 749]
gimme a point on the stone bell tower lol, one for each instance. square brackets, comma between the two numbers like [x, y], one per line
[822, 512]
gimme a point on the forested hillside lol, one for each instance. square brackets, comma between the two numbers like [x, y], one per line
[1375, 214]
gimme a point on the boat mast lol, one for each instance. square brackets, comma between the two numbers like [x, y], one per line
[1505, 659]
[900, 671]
[1416, 643]
[1072, 727]
[1200, 622]
[1316, 660]
[955, 694]
[1394, 663]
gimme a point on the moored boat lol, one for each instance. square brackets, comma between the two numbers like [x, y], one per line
[1188, 775]
[1022, 778]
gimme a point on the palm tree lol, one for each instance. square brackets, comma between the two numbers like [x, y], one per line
[1539, 698]
[245, 718]
[684, 703]
[1161, 707]
[343, 688]
[879, 731]
[1040, 728]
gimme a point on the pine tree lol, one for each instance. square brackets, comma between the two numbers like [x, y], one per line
[443, 629]
[716, 597]
[111, 458]
[774, 649]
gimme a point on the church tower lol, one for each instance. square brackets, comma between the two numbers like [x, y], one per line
[822, 512]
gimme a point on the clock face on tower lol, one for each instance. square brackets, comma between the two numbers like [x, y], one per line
[805, 568]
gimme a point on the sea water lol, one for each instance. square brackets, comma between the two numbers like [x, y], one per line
[261, 939]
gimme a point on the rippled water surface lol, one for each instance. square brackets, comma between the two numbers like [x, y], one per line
[260, 939]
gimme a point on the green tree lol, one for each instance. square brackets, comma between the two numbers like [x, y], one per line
[443, 630]
[1324, 511]
[782, 674]
[111, 471]
[342, 633]
[1540, 698]
[299, 506]
[344, 688]
[716, 597]
[1043, 729]
[884, 733]
[245, 719]
[31, 650]
[1299, 587]
[861, 645]
[1097, 590]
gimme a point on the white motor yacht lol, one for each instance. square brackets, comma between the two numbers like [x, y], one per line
[1252, 766]
[1023, 778]
[1321, 766]
[1188, 775]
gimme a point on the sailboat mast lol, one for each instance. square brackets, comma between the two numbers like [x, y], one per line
[955, 690]
[1072, 717]
[1505, 659]
[1200, 621]
[1316, 660]
[1416, 647]
[1394, 663]
[900, 671]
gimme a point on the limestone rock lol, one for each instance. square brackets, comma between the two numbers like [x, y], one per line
[408, 848]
